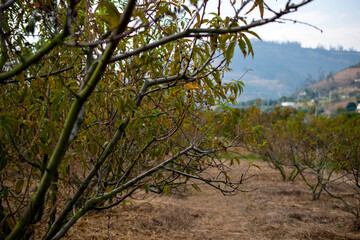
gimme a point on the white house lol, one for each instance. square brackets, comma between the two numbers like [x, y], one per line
[287, 104]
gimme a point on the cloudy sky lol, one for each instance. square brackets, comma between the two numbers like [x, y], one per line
[339, 20]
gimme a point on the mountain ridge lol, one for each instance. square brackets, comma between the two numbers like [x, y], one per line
[279, 69]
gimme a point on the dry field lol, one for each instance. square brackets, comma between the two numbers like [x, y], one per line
[275, 210]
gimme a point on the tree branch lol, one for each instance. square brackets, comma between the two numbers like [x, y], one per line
[34, 58]
[7, 4]
[204, 32]
[62, 144]
[91, 203]
[41, 76]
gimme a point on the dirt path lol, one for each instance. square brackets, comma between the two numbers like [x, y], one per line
[276, 210]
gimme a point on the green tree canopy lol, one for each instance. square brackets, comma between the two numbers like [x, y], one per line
[351, 107]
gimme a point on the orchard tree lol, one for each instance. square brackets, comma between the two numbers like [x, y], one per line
[100, 99]
[343, 155]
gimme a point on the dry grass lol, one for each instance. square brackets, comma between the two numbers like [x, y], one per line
[276, 210]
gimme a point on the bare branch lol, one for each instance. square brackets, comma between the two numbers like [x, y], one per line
[7, 4]
[205, 32]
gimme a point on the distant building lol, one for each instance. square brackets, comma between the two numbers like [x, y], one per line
[302, 93]
[288, 104]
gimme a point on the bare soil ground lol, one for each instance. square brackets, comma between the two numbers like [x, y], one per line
[276, 210]
[333, 106]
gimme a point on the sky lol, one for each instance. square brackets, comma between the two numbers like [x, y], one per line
[339, 20]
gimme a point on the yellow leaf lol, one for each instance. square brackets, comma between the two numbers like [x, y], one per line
[175, 92]
[112, 15]
[253, 7]
[213, 43]
[190, 86]
[21, 78]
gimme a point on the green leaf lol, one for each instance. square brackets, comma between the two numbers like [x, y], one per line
[112, 15]
[2, 158]
[167, 190]
[253, 7]
[208, 82]
[147, 188]
[5, 192]
[211, 101]
[196, 187]
[242, 46]
[231, 162]
[19, 185]
[248, 43]
[186, 9]
[159, 176]
[254, 34]
[230, 52]
[261, 7]
[142, 16]
[255, 165]
[46, 148]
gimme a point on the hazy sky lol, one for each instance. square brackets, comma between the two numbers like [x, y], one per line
[339, 20]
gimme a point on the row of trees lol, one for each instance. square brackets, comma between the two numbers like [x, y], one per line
[100, 99]
[324, 152]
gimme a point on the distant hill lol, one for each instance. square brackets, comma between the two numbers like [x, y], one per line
[336, 91]
[279, 69]
[349, 77]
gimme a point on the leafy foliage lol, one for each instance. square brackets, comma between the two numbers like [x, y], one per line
[100, 99]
